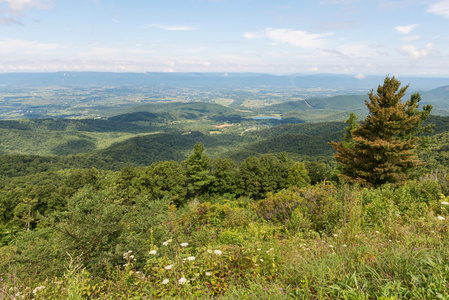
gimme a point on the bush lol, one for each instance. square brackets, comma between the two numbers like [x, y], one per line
[314, 206]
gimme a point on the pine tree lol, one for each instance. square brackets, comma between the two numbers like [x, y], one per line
[198, 172]
[382, 148]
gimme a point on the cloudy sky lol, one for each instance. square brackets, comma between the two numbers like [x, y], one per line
[357, 37]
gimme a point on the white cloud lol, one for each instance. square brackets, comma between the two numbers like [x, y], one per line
[173, 27]
[7, 20]
[360, 76]
[440, 8]
[249, 35]
[12, 14]
[415, 53]
[297, 37]
[405, 29]
[18, 5]
[411, 38]
[358, 50]
[15, 45]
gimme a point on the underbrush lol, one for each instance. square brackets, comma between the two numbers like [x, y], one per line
[317, 242]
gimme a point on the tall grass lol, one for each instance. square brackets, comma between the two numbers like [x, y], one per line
[325, 243]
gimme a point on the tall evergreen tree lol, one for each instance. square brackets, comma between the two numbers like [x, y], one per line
[198, 172]
[382, 148]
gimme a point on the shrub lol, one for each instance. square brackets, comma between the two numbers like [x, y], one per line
[316, 204]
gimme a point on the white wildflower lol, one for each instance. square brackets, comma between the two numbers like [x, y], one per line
[168, 267]
[153, 252]
[165, 281]
[218, 252]
[208, 273]
[37, 289]
[331, 246]
[191, 258]
[184, 244]
[269, 250]
[182, 280]
[344, 245]
[377, 231]
[167, 242]
[445, 203]
[335, 235]
[440, 218]
[261, 259]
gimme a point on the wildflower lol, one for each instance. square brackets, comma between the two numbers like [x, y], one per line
[208, 273]
[377, 231]
[445, 203]
[182, 280]
[218, 252]
[344, 245]
[184, 244]
[258, 249]
[331, 246]
[440, 218]
[269, 250]
[191, 258]
[165, 281]
[37, 289]
[153, 252]
[261, 259]
[168, 267]
[335, 235]
[167, 242]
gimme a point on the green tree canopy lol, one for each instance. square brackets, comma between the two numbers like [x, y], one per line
[382, 149]
[198, 172]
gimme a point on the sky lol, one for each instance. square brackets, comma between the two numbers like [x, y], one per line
[354, 37]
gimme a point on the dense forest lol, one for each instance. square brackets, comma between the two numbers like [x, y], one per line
[193, 200]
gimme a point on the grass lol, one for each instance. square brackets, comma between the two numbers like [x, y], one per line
[234, 254]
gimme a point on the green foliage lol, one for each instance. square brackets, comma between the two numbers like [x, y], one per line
[318, 171]
[298, 175]
[257, 177]
[314, 206]
[225, 172]
[164, 180]
[382, 149]
[197, 170]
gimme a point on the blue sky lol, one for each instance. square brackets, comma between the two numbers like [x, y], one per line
[280, 36]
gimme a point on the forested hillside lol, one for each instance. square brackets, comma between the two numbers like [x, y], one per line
[200, 200]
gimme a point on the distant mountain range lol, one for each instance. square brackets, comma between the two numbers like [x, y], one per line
[217, 80]
[438, 97]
